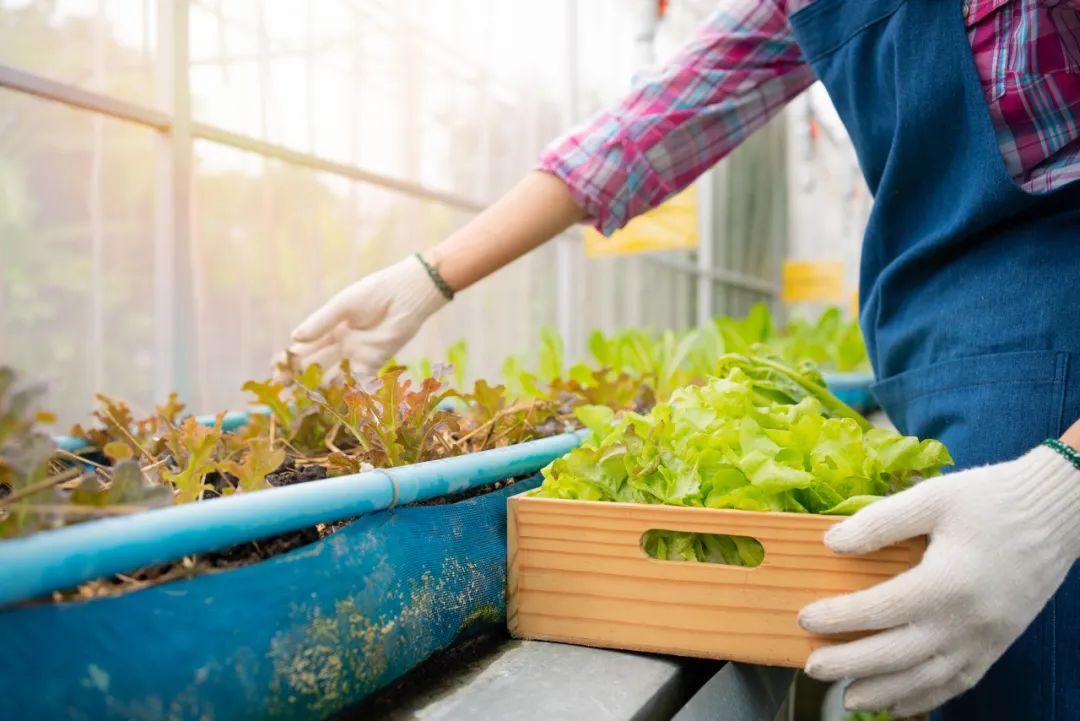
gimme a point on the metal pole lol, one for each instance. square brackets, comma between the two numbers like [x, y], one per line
[96, 201]
[727, 277]
[706, 206]
[30, 84]
[565, 245]
[174, 340]
[164, 374]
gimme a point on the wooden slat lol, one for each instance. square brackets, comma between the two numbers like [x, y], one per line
[577, 573]
[697, 524]
[850, 579]
[618, 529]
[734, 594]
[753, 648]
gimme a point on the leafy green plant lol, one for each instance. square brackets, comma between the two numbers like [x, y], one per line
[761, 437]
[260, 460]
[25, 452]
[127, 487]
[40, 490]
[831, 342]
[602, 387]
[495, 417]
[741, 335]
[457, 365]
[119, 428]
[671, 360]
[394, 423]
[868, 716]
[550, 358]
[520, 382]
[193, 447]
[703, 547]
[307, 428]
[457, 356]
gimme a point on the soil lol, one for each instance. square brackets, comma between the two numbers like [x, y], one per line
[470, 493]
[287, 474]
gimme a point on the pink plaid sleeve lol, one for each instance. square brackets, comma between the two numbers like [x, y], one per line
[741, 68]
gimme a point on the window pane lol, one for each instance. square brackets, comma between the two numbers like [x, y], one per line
[416, 90]
[107, 46]
[273, 241]
[77, 246]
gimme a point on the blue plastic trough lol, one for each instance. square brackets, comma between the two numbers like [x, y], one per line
[299, 636]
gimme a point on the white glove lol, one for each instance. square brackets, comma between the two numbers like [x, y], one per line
[1002, 538]
[369, 321]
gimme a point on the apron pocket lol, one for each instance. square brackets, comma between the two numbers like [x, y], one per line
[985, 408]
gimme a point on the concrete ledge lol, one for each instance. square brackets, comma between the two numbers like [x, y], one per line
[740, 692]
[539, 681]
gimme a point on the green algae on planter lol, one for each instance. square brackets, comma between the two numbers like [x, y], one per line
[299, 636]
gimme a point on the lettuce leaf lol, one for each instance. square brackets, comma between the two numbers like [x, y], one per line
[761, 437]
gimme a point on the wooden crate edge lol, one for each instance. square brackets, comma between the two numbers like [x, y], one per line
[763, 659]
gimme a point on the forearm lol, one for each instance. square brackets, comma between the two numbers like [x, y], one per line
[1071, 437]
[534, 211]
[739, 70]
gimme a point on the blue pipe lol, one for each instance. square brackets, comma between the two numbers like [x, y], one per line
[66, 557]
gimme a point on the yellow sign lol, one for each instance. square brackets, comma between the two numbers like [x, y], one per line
[672, 225]
[813, 280]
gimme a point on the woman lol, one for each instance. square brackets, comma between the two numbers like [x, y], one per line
[966, 121]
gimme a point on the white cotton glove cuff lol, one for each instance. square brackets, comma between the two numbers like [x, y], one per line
[1002, 539]
[1038, 493]
[415, 294]
[1045, 494]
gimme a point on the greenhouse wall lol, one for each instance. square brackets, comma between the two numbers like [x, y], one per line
[126, 121]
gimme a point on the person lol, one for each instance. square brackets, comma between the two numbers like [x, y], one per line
[966, 122]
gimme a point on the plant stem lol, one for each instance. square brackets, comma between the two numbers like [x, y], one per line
[80, 459]
[130, 437]
[39, 486]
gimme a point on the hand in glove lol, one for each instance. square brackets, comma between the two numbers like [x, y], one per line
[369, 321]
[1002, 538]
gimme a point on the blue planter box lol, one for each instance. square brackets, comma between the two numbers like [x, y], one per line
[299, 636]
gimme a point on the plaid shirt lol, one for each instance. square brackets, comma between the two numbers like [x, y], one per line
[744, 65]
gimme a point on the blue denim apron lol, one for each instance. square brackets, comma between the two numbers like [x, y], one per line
[969, 286]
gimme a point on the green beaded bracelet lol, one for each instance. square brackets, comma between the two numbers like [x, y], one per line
[437, 279]
[1071, 455]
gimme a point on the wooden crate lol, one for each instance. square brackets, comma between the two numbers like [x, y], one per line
[577, 573]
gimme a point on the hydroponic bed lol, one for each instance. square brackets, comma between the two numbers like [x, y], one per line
[137, 580]
[298, 636]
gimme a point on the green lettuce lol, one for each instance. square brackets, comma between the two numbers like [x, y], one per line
[760, 437]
